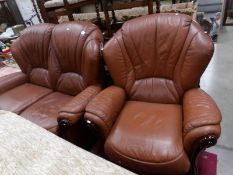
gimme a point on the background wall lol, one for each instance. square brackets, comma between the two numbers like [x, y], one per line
[27, 11]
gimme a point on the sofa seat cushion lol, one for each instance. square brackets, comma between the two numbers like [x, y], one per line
[19, 98]
[45, 111]
[148, 137]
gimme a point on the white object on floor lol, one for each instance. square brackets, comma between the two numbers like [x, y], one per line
[26, 148]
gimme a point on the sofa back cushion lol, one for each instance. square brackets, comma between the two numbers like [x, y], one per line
[75, 56]
[156, 58]
[31, 52]
[63, 57]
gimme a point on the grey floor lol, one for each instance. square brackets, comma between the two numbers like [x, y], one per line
[217, 80]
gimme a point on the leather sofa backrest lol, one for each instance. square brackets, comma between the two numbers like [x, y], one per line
[63, 57]
[75, 56]
[31, 52]
[156, 58]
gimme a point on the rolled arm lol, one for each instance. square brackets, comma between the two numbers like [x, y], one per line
[104, 108]
[202, 119]
[75, 109]
[11, 81]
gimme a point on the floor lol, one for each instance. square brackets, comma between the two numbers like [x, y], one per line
[218, 82]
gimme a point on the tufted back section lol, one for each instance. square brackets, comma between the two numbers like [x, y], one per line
[156, 58]
[75, 56]
[31, 52]
[63, 57]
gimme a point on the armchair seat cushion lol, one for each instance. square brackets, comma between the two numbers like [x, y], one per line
[19, 98]
[45, 111]
[148, 137]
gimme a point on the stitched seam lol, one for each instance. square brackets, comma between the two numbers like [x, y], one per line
[151, 163]
[199, 126]
[99, 118]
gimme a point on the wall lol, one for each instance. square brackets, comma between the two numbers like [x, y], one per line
[27, 11]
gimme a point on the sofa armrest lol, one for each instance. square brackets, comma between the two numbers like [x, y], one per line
[11, 81]
[74, 110]
[104, 108]
[201, 118]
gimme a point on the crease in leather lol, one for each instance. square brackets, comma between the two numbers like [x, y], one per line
[101, 118]
[124, 58]
[75, 108]
[199, 110]
[11, 81]
[31, 103]
[192, 138]
[136, 160]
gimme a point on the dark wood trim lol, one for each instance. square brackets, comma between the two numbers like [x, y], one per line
[14, 10]
[204, 143]
[63, 127]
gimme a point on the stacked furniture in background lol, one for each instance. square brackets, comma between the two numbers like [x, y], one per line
[113, 13]
[60, 67]
[51, 10]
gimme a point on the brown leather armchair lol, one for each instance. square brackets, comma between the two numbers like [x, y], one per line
[60, 73]
[155, 118]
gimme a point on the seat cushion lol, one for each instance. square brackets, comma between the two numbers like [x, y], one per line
[147, 137]
[19, 98]
[45, 112]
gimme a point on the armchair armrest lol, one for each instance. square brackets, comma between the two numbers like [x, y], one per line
[11, 81]
[201, 119]
[75, 109]
[104, 108]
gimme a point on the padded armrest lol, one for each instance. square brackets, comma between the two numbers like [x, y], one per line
[105, 107]
[11, 81]
[75, 109]
[201, 117]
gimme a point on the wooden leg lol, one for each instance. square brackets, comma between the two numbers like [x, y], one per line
[204, 143]
[97, 12]
[150, 6]
[53, 20]
[62, 129]
[70, 16]
[113, 14]
[107, 18]
[157, 6]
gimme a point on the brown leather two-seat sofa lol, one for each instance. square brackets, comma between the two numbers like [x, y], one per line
[154, 119]
[60, 67]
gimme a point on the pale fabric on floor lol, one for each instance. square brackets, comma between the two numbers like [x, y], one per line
[27, 149]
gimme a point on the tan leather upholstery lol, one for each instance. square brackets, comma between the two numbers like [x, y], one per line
[156, 60]
[151, 133]
[45, 112]
[20, 97]
[201, 117]
[12, 80]
[106, 106]
[74, 110]
[58, 63]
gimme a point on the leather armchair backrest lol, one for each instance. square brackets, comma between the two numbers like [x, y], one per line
[31, 52]
[75, 56]
[63, 57]
[156, 58]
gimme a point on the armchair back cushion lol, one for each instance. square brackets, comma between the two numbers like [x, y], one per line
[158, 70]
